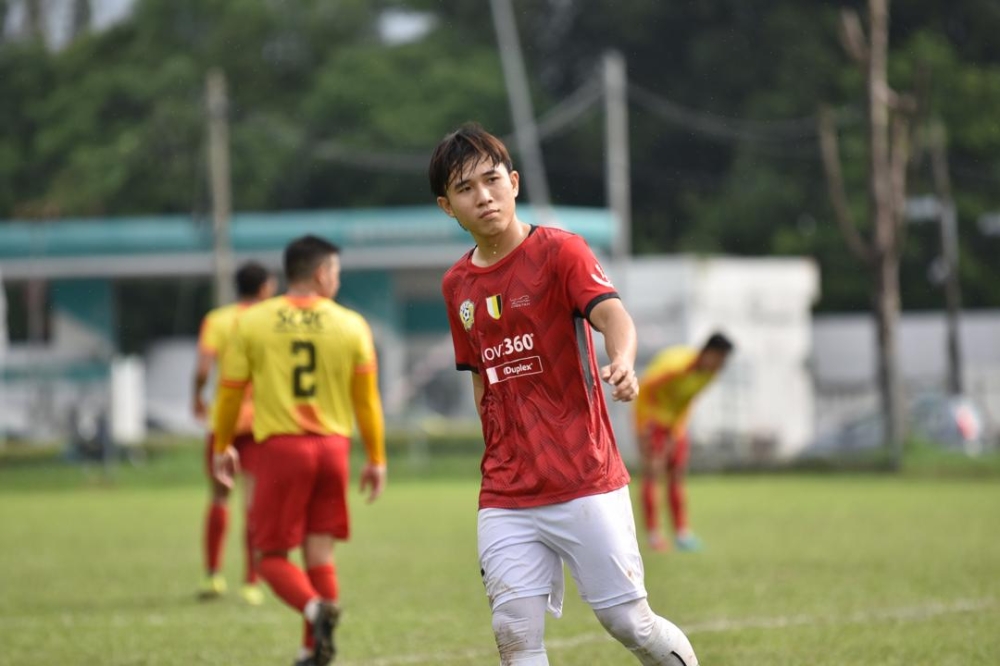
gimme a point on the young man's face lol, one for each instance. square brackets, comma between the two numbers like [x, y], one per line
[712, 360]
[481, 197]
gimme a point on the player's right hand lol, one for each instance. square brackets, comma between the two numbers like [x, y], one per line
[373, 478]
[622, 377]
[225, 465]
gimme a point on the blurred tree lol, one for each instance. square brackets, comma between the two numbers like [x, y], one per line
[369, 99]
[120, 130]
[325, 113]
[25, 69]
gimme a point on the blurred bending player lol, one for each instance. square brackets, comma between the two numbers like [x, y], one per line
[554, 492]
[253, 284]
[667, 389]
[313, 368]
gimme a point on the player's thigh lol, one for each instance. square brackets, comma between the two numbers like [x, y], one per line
[680, 453]
[657, 449]
[595, 536]
[513, 561]
[327, 511]
[283, 487]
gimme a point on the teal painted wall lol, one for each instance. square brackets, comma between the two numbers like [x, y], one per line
[89, 301]
[371, 293]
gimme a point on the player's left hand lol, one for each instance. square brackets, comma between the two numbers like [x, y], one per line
[621, 376]
[373, 479]
[225, 465]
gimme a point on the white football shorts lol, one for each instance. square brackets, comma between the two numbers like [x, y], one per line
[522, 551]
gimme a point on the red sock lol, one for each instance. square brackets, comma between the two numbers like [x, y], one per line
[678, 504]
[308, 640]
[216, 522]
[251, 564]
[649, 504]
[287, 581]
[324, 581]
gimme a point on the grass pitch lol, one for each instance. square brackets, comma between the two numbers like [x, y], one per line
[799, 569]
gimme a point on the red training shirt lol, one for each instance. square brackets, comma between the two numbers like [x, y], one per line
[522, 325]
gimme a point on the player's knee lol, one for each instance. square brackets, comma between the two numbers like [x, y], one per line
[518, 629]
[630, 623]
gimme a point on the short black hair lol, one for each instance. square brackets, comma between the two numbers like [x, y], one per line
[468, 144]
[305, 254]
[250, 277]
[719, 342]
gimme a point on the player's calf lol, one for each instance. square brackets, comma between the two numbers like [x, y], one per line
[654, 640]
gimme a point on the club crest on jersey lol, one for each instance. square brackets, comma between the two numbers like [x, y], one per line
[600, 277]
[494, 305]
[466, 312]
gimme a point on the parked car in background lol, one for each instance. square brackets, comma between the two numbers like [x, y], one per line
[952, 422]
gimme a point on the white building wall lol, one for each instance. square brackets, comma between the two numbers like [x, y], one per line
[764, 396]
[845, 357]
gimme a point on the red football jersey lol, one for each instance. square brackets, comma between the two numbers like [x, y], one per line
[522, 325]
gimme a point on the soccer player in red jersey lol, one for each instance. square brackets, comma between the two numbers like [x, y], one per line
[667, 389]
[253, 284]
[313, 368]
[554, 489]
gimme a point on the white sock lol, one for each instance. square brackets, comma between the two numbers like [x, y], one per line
[526, 658]
[654, 640]
[666, 646]
[519, 627]
[312, 609]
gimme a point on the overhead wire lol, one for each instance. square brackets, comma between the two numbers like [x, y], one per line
[557, 119]
[570, 110]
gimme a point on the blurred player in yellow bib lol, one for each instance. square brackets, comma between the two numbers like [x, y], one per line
[314, 373]
[667, 388]
[253, 284]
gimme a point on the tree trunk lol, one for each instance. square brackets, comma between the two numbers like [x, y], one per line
[887, 307]
[886, 220]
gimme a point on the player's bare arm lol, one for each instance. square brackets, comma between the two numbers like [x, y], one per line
[614, 322]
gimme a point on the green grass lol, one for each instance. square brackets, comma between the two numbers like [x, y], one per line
[800, 569]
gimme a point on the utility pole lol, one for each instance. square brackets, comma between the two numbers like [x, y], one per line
[525, 129]
[617, 174]
[219, 183]
[949, 251]
[81, 15]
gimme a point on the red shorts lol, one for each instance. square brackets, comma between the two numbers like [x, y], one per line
[301, 489]
[660, 437]
[243, 444]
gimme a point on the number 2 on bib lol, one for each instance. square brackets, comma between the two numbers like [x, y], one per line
[303, 373]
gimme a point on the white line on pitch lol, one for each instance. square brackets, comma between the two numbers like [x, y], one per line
[914, 613]
[906, 613]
